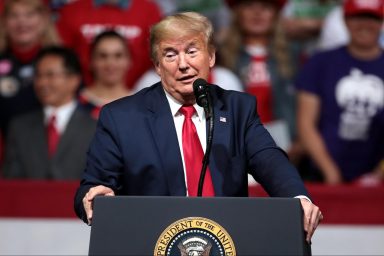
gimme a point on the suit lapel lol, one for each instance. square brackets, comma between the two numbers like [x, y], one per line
[165, 137]
[40, 145]
[220, 143]
[65, 142]
[73, 127]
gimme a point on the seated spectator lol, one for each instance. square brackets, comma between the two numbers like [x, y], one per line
[51, 143]
[341, 101]
[110, 59]
[25, 28]
[257, 52]
[80, 21]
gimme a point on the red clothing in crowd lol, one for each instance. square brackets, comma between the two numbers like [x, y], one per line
[259, 84]
[90, 105]
[79, 22]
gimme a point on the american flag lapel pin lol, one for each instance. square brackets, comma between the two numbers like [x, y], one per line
[223, 119]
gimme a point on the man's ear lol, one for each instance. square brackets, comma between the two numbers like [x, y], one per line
[212, 59]
[157, 67]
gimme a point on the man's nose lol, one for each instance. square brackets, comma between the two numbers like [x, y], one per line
[183, 62]
[41, 81]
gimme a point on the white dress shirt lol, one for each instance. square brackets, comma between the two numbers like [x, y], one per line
[62, 113]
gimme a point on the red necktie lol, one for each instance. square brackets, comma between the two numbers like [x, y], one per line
[53, 136]
[193, 155]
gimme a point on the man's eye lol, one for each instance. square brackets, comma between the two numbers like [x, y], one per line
[170, 55]
[192, 51]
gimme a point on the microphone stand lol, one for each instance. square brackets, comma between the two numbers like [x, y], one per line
[210, 116]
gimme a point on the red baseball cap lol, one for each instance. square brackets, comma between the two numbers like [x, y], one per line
[374, 7]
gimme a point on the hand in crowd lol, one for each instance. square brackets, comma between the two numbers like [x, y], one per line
[332, 176]
[92, 193]
[312, 217]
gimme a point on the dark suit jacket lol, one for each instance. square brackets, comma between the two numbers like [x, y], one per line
[26, 154]
[135, 150]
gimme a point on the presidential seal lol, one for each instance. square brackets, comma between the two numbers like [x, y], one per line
[194, 236]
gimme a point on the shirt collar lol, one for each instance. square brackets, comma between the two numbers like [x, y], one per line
[62, 111]
[175, 107]
[123, 4]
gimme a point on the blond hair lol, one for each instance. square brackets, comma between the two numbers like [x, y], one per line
[49, 36]
[179, 25]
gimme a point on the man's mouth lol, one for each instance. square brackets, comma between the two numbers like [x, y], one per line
[186, 78]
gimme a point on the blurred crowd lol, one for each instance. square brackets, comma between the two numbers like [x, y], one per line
[316, 68]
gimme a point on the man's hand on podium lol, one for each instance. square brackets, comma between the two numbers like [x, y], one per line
[312, 217]
[88, 199]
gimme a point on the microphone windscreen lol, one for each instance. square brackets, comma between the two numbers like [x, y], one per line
[200, 91]
[199, 82]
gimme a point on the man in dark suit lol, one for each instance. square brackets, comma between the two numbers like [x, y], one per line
[51, 143]
[140, 146]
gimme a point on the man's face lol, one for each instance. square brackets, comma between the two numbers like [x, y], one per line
[364, 30]
[110, 61]
[256, 18]
[54, 86]
[181, 60]
[24, 25]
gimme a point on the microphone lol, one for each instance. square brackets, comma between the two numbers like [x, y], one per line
[200, 90]
[203, 99]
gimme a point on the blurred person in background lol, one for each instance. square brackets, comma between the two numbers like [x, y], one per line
[334, 32]
[341, 101]
[110, 60]
[51, 142]
[80, 21]
[25, 28]
[302, 21]
[256, 50]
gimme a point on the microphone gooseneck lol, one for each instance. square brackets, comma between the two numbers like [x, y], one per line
[203, 99]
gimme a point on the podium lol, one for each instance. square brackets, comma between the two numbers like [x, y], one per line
[129, 225]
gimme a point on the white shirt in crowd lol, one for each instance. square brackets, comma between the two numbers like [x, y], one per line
[63, 115]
